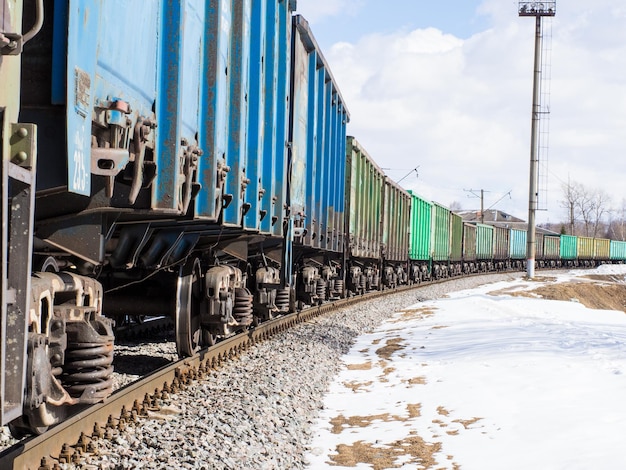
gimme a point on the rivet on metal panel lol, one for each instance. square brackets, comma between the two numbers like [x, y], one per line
[20, 157]
[23, 141]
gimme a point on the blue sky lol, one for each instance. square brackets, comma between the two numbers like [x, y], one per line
[460, 18]
[447, 85]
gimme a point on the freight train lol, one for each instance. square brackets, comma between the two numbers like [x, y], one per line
[189, 158]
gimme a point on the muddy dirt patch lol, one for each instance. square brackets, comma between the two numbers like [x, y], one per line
[602, 296]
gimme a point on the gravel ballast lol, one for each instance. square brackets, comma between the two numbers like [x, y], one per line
[257, 412]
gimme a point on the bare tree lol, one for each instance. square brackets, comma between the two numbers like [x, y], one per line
[455, 206]
[587, 206]
[572, 193]
[617, 225]
[599, 207]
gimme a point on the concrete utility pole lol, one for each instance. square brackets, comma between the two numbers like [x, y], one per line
[538, 10]
[482, 201]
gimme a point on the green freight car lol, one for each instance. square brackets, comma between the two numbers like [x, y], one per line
[551, 250]
[441, 233]
[379, 212]
[484, 247]
[469, 248]
[441, 241]
[396, 215]
[456, 244]
[568, 249]
[500, 247]
[365, 202]
[618, 250]
[517, 247]
[420, 237]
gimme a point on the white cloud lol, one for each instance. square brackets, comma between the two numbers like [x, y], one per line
[461, 109]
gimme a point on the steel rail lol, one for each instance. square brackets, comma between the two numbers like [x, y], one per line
[66, 441]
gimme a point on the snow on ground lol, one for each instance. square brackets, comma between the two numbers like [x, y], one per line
[483, 380]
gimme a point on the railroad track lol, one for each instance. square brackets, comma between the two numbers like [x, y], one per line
[70, 440]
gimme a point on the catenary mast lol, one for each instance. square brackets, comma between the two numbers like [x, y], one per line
[537, 10]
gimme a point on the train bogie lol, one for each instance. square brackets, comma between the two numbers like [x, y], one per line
[70, 349]
[271, 300]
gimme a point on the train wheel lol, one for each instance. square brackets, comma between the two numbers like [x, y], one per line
[21, 427]
[189, 336]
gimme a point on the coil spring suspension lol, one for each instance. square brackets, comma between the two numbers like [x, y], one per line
[242, 310]
[363, 284]
[88, 361]
[375, 282]
[282, 299]
[321, 289]
[338, 287]
[331, 288]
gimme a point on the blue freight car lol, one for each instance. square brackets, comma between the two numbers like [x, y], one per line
[164, 132]
[317, 169]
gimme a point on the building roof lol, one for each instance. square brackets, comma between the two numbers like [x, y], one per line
[489, 216]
